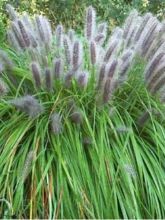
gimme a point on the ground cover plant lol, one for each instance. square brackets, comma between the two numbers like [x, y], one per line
[82, 119]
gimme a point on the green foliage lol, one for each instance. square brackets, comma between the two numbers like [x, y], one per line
[70, 12]
[119, 174]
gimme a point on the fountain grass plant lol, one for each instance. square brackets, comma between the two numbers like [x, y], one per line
[80, 135]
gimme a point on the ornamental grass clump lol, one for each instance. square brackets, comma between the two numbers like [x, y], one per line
[79, 136]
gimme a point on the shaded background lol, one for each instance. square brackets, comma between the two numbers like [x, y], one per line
[71, 12]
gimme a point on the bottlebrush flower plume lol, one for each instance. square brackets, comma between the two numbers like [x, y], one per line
[127, 25]
[56, 125]
[90, 25]
[102, 74]
[59, 35]
[71, 36]
[68, 49]
[40, 28]
[93, 52]
[77, 55]
[11, 12]
[28, 104]
[153, 64]
[102, 28]
[112, 49]
[3, 88]
[24, 33]
[6, 60]
[27, 165]
[36, 74]
[83, 79]
[18, 36]
[48, 79]
[57, 68]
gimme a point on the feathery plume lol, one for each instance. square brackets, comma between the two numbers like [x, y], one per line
[111, 68]
[48, 79]
[56, 124]
[141, 28]
[83, 79]
[59, 35]
[57, 68]
[68, 50]
[132, 31]
[24, 33]
[71, 34]
[87, 141]
[12, 40]
[112, 48]
[6, 60]
[36, 74]
[18, 36]
[68, 78]
[125, 63]
[77, 55]
[47, 30]
[149, 37]
[102, 28]
[27, 165]
[159, 84]
[102, 74]
[28, 104]
[39, 23]
[132, 16]
[117, 33]
[143, 118]
[27, 22]
[3, 88]
[153, 64]
[76, 116]
[156, 75]
[99, 39]
[90, 23]
[130, 170]
[123, 129]
[93, 52]
[11, 12]
[33, 40]
[107, 90]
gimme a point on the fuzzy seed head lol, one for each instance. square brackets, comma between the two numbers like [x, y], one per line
[76, 117]
[24, 33]
[153, 64]
[68, 50]
[36, 74]
[107, 90]
[112, 68]
[11, 12]
[40, 27]
[48, 79]
[83, 79]
[102, 74]
[7, 63]
[111, 50]
[57, 68]
[56, 124]
[90, 23]
[93, 52]
[59, 35]
[71, 34]
[3, 88]
[18, 36]
[28, 104]
[27, 165]
[77, 55]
